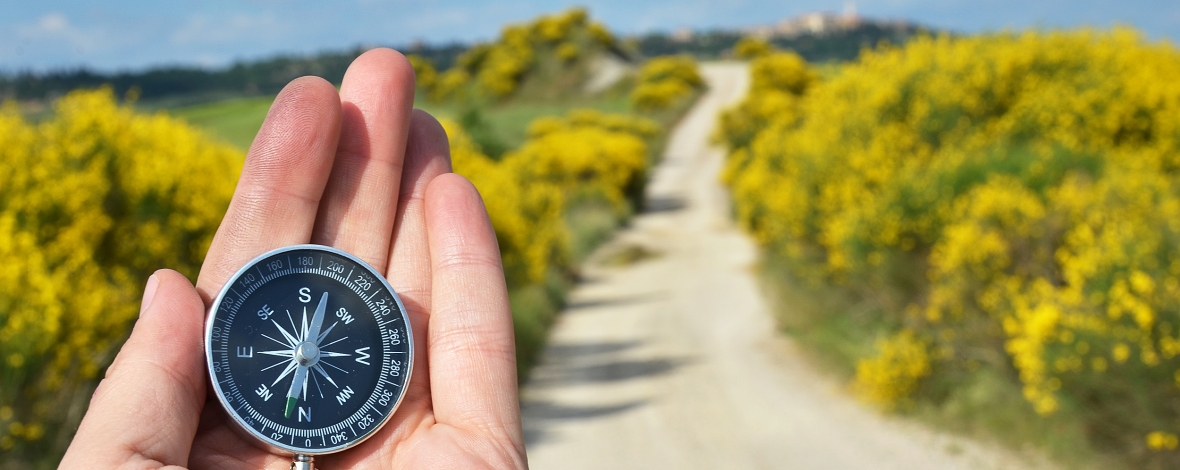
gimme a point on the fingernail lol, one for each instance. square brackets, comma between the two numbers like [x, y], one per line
[149, 291]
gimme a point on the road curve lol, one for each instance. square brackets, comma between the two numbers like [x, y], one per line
[673, 362]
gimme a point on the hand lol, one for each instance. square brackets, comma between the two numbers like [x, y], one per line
[358, 170]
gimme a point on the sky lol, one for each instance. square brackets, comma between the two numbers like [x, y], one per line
[138, 34]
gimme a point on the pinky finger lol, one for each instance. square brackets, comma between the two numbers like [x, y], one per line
[470, 343]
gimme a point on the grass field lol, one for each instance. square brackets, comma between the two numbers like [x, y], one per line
[505, 125]
[234, 120]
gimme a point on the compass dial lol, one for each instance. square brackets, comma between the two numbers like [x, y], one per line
[309, 349]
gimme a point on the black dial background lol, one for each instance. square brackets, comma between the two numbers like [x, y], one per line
[363, 397]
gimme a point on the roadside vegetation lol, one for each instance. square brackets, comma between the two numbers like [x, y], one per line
[980, 231]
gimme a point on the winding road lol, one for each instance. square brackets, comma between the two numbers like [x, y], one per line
[672, 360]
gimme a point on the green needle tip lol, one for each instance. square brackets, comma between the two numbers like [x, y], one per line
[290, 406]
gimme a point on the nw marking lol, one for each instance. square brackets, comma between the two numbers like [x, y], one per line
[344, 395]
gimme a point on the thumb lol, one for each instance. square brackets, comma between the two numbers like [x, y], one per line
[146, 409]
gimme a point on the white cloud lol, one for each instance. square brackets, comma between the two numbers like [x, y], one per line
[54, 23]
[203, 29]
[56, 31]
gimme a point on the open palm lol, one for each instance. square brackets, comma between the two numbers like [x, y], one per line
[361, 171]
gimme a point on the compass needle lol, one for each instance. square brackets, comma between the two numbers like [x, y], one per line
[297, 384]
[317, 320]
[359, 391]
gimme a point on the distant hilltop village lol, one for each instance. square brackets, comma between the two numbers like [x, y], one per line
[818, 23]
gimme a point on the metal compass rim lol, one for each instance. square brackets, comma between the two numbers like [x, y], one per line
[221, 394]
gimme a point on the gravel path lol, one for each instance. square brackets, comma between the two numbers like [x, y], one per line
[672, 361]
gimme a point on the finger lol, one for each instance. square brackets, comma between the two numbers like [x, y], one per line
[360, 201]
[427, 156]
[147, 408]
[282, 181]
[471, 348]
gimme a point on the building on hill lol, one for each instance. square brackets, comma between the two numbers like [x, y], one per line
[814, 23]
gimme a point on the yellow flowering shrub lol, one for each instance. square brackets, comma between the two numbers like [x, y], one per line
[527, 190]
[425, 75]
[752, 47]
[666, 80]
[568, 52]
[1157, 440]
[901, 363]
[777, 80]
[1012, 196]
[507, 61]
[92, 201]
[560, 27]
[500, 67]
[450, 84]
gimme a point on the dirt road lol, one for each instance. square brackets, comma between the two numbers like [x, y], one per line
[672, 361]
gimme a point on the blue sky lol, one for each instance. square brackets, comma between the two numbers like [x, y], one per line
[135, 34]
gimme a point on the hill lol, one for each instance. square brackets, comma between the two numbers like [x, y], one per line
[817, 37]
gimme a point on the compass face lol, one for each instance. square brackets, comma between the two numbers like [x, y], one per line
[309, 349]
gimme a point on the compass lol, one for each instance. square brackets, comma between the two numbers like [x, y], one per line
[309, 350]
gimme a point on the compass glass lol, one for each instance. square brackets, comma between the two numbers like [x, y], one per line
[309, 349]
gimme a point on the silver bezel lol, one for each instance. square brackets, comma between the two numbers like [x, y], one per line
[225, 404]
